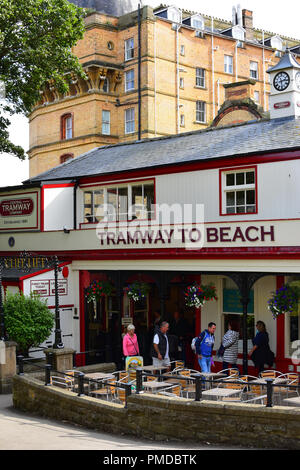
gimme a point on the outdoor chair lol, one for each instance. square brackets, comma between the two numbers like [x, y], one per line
[292, 379]
[121, 395]
[108, 390]
[63, 382]
[174, 391]
[234, 383]
[270, 374]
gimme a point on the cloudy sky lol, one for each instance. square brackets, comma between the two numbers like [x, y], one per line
[279, 17]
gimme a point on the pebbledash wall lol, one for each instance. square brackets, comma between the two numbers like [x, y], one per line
[162, 418]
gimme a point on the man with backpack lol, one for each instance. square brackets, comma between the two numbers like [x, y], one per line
[204, 347]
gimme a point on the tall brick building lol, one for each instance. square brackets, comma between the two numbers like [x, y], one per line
[159, 76]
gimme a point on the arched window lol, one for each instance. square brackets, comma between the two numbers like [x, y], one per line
[67, 126]
[65, 157]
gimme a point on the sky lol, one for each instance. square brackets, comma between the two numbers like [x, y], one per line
[273, 16]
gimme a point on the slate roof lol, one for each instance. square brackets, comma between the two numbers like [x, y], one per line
[211, 143]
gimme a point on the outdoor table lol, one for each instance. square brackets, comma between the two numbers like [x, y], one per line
[220, 392]
[153, 385]
[154, 368]
[293, 401]
[98, 376]
[209, 376]
[262, 381]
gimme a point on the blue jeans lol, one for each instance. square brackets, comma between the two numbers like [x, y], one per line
[205, 364]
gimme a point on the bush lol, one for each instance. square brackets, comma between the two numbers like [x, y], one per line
[28, 321]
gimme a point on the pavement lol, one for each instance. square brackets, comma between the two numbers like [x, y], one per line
[22, 431]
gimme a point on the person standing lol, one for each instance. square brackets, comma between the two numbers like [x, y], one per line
[230, 343]
[204, 347]
[160, 347]
[261, 353]
[130, 342]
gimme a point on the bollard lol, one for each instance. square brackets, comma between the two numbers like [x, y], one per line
[127, 392]
[139, 380]
[80, 377]
[47, 374]
[269, 392]
[20, 364]
[199, 380]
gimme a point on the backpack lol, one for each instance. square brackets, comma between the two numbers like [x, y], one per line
[193, 343]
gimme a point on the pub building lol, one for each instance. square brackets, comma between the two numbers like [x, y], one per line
[216, 206]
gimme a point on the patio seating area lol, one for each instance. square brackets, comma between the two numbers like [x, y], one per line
[270, 388]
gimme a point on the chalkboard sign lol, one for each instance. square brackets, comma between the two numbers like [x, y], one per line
[232, 304]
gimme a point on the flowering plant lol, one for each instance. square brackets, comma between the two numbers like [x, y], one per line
[98, 289]
[196, 295]
[284, 300]
[137, 290]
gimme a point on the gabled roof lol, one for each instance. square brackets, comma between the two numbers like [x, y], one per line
[211, 143]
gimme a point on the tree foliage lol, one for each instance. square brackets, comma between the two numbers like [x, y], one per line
[28, 321]
[36, 40]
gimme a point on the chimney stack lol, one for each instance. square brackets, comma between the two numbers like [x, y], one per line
[248, 24]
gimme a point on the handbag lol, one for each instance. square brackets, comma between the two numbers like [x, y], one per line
[221, 351]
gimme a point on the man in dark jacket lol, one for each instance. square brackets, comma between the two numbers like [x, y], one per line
[160, 347]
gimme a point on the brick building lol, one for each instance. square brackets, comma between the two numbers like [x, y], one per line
[185, 59]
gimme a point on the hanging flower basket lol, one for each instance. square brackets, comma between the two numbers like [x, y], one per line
[196, 295]
[99, 289]
[137, 291]
[284, 300]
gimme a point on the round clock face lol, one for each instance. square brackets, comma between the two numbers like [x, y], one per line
[297, 80]
[281, 81]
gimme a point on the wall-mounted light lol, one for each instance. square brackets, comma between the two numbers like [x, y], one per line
[66, 230]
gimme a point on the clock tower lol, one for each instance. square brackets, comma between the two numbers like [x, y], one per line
[285, 88]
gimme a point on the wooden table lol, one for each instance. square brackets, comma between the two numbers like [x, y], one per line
[220, 392]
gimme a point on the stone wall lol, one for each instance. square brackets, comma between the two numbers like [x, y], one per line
[161, 418]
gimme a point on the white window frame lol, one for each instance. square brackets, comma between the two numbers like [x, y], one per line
[256, 96]
[200, 77]
[131, 211]
[69, 127]
[228, 64]
[201, 113]
[254, 69]
[129, 48]
[105, 122]
[182, 120]
[106, 82]
[129, 121]
[236, 188]
[181, 82]
[182, 49]
[129, 80]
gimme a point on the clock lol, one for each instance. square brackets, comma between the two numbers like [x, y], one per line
[281, 81]
[297, 80]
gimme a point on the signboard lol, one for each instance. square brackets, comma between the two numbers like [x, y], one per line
[283, 104]
[19, 211]
[41, 288]
[126, 321]
[132, 362]
[232, 304]
[46, 287]
[62, 286]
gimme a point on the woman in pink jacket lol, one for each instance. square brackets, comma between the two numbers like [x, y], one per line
[130, 342]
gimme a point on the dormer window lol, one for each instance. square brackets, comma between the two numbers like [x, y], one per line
[238, 33]
[197, 22]
[277, 43]
[171, 13]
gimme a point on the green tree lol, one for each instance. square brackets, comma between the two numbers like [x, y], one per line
[28, 321]
[36, 40]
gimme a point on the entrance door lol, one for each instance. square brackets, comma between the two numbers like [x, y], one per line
[95, 331]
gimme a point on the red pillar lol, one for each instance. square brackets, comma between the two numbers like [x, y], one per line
[84, 282]
[197, 324]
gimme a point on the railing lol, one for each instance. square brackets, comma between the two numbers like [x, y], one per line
[198, 379]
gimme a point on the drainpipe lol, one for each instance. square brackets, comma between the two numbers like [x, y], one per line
[213, 66]
[264, 70]
[177, 77]
[154, 38]
[75, 204]
[139, 73]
